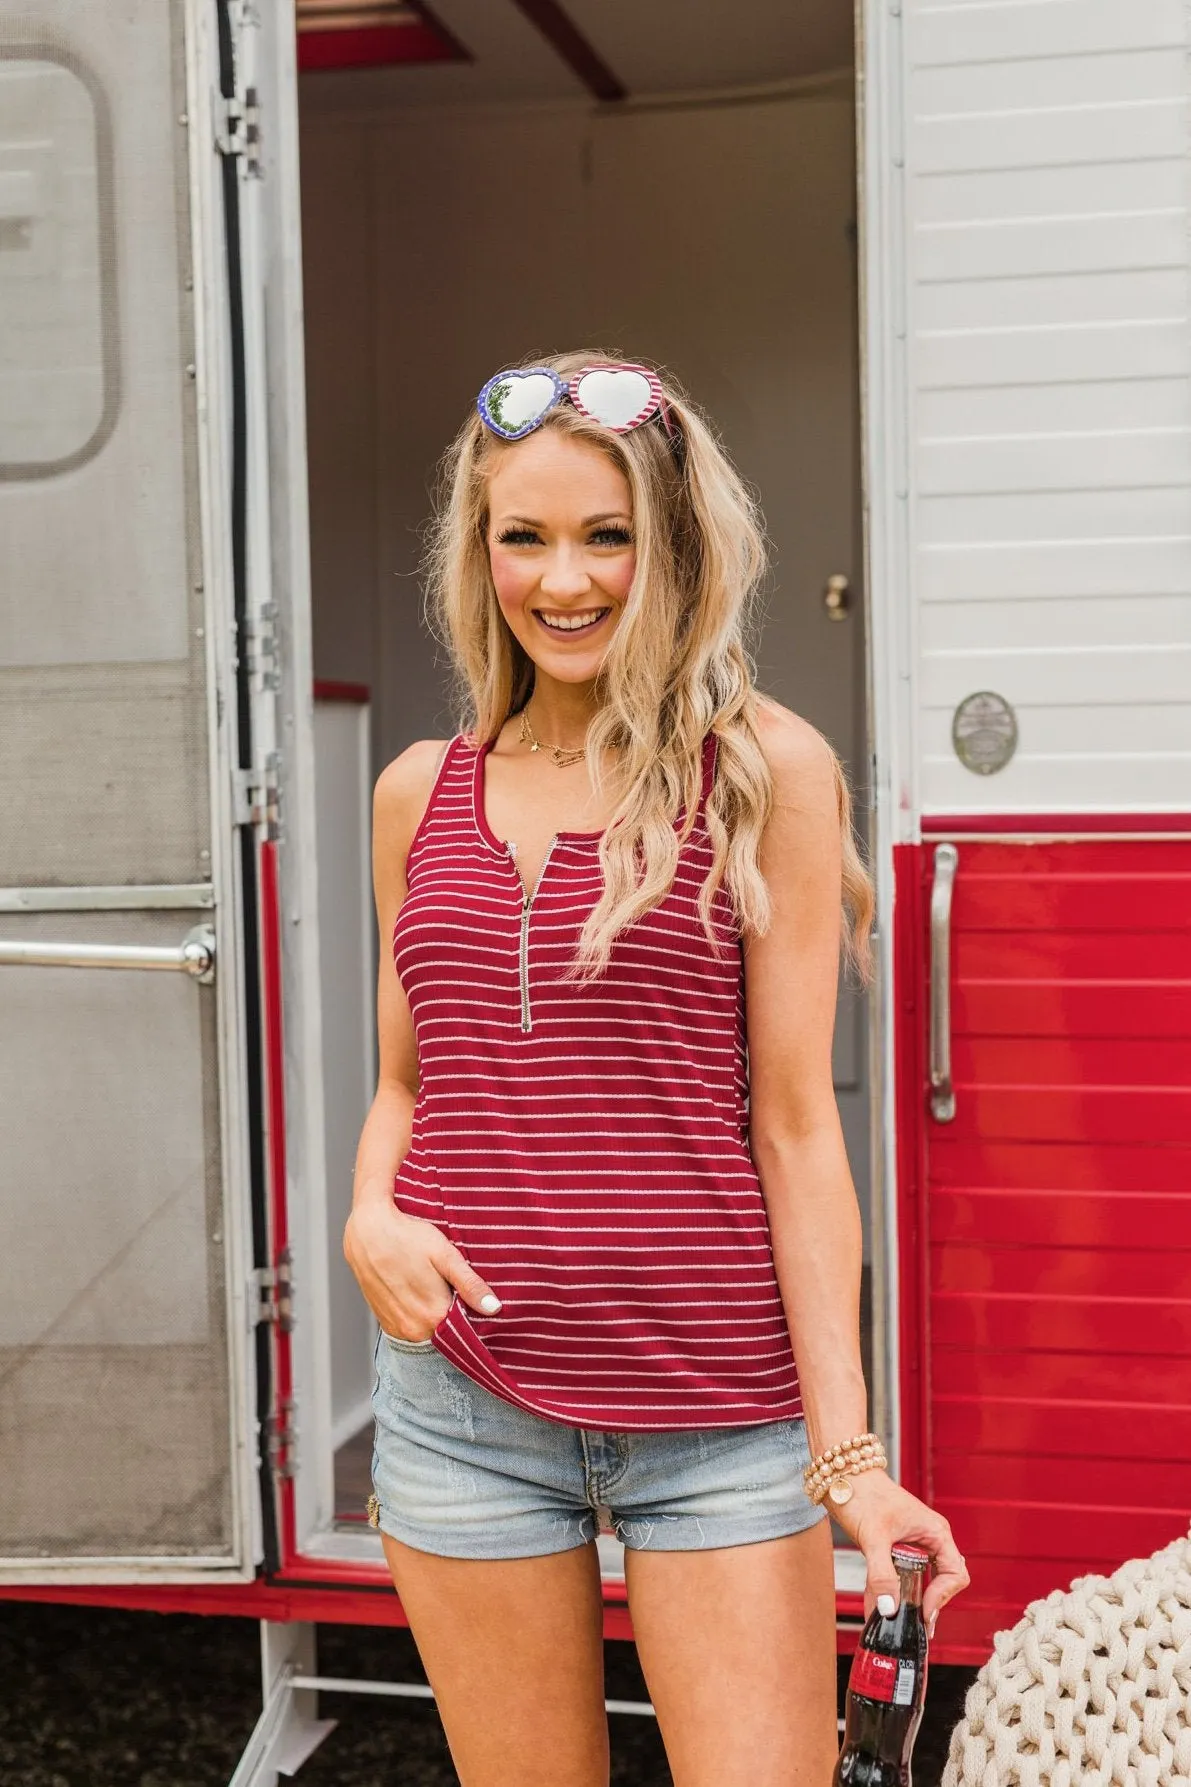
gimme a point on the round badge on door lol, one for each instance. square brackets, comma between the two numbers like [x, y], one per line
[984, 732]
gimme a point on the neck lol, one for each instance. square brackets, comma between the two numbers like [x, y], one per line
[560, 713]
[910, 1584]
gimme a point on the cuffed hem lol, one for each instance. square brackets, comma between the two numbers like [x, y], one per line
[490, 1546]
[693, 1532]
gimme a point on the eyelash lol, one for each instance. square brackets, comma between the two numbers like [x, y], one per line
[602, 536]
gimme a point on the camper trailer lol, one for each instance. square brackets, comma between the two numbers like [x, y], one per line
[930, 271]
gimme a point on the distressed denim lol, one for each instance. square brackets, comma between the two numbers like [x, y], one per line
[459, 1472]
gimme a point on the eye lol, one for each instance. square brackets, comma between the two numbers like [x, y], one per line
[612, 536]
[518, 536]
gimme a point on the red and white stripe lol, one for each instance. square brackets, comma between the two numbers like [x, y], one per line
[593, 1167]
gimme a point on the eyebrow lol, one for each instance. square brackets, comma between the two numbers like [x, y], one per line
[588, 521]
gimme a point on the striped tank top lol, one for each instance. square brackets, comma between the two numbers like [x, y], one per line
[585, 1146]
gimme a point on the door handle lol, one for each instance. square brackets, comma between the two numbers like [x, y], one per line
[837, 596]
[195, 955]
[942, 1093]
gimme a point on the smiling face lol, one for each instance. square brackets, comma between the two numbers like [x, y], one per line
[560, 544]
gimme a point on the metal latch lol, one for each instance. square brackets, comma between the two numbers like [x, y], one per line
[257, 793]
[238, 128]
[274, 1288]
[280, 1435]
[258, 636]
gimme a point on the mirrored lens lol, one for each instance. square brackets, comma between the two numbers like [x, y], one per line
[617, 397]
[514, 402]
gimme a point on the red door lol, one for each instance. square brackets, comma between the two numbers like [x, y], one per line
[1052, 1213]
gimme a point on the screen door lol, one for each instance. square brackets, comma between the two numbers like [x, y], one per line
[122, 1189]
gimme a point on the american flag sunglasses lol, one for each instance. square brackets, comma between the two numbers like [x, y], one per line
[617, 394]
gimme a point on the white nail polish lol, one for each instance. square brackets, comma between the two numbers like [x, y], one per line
[886, 1606]
[490, 1304]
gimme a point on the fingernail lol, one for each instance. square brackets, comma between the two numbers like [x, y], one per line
[490, 1304]
[930, 1630]
[886, 1606]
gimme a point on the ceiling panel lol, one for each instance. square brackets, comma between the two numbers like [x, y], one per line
[673, 46]
[653, 46]
[509, 59]
[361, 33]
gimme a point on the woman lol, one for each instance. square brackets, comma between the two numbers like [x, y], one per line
[602, 1202]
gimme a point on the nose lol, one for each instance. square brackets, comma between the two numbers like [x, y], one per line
[563, 576]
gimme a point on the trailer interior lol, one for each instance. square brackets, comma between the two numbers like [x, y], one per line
[659, 182]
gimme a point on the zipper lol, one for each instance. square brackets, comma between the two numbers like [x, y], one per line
[523, 951]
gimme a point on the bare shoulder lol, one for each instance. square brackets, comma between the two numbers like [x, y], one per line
[403, 789]
[801, 761]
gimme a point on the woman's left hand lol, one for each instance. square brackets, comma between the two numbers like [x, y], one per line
[880, 1514]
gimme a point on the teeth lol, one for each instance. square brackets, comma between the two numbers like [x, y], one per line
[571, 623]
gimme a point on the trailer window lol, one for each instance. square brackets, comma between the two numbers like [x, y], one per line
[58, 360]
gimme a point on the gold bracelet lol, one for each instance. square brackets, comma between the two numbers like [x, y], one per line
[839, 1488]
[828, 1474]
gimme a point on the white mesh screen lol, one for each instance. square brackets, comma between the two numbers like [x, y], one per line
[101, 668]
[113, 1376]
[58, 369]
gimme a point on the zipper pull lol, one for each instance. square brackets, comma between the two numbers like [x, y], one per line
[511, 847]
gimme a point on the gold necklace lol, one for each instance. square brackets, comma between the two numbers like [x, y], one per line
[564, 759]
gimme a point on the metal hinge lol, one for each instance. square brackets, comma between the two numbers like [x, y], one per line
[279, 1435]
[238, 128]
[257, 793]
[258, 638]
[274, 1288]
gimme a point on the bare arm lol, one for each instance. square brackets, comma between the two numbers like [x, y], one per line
[400, 795]
[797, 1143]
[791, 977]
[405, 1267]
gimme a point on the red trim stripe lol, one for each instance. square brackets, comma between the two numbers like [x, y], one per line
[271, 996]
[366, 1598]
[938, 825]
[913, 1390]
[377, 46]
[326, 689]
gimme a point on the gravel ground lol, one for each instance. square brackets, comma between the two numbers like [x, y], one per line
[92, 1698]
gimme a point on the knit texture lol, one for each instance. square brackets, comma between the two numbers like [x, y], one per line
[1092, 1686]
[585, 1145]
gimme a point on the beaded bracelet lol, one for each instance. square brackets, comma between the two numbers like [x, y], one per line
[828, 1474]
[843, 1459]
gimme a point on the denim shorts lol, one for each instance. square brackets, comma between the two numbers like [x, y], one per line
[459, 1472]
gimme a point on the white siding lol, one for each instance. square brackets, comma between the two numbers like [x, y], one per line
[1048, 362]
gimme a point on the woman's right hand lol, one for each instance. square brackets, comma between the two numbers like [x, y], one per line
[407, 1268]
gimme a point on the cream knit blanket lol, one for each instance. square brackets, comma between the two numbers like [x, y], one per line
[1091, 1686]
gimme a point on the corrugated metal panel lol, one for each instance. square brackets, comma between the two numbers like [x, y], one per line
[1059, 1218]
[1048, 175]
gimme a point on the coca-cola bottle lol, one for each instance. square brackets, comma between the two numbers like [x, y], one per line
[887, 1686]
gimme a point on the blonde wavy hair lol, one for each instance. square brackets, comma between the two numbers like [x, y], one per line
[676, 669]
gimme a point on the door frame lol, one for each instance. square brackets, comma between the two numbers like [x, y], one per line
[307, 1499]
[888, 662]
[895, 1046]
[279, 589]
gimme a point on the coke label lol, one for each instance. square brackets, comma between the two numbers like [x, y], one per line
[873, 1675]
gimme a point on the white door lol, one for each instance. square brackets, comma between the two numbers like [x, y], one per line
[138, 700]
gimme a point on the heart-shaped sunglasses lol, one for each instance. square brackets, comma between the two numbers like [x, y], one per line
[617, 394]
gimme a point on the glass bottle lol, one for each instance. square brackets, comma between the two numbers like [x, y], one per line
[887, 1686]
